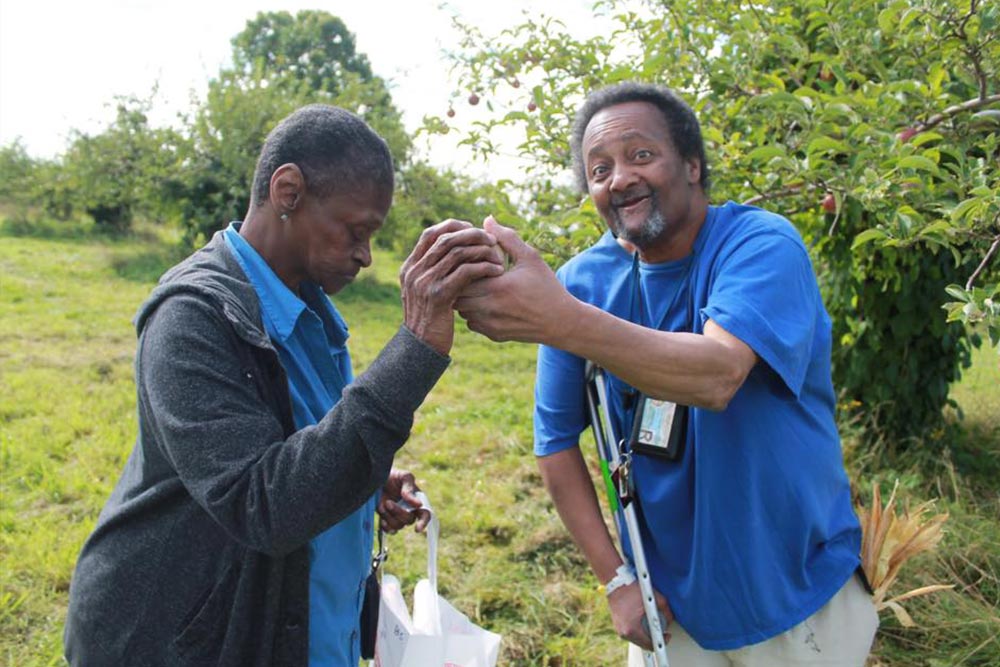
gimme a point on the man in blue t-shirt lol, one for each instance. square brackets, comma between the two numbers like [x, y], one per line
[748, 529]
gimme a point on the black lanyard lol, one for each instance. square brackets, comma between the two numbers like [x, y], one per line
[628, 392]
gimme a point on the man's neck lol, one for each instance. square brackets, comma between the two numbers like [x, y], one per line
[677, 241]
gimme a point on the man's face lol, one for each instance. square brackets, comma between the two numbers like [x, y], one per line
[331, 237]
[639, 184]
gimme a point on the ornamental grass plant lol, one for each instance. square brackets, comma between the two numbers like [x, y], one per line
[889, 540]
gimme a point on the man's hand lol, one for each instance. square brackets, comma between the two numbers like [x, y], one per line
[527, 303]
[401, 486]
[628, 615]
[447, 258]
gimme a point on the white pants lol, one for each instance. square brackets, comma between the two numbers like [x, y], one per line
[840, 634]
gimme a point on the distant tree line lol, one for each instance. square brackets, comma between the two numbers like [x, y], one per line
[198, 176]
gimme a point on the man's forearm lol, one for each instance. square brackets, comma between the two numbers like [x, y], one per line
[703, 370]
[568, 482]
[529, 304]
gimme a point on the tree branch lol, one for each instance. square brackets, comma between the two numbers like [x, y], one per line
[973, 8]
[778, 194]
[951, 111]
[980, 74]
[972, 51]
[982, 264]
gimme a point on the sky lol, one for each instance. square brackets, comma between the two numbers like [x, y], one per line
[63, 63]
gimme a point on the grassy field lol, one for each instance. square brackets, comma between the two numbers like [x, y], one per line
[67, 422]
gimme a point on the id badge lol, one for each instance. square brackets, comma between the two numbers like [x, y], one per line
[659, 429]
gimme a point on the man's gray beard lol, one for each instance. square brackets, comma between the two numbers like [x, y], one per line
[649, 232]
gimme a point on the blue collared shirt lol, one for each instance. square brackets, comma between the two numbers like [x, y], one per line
[311, 339]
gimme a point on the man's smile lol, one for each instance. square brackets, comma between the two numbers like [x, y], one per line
[629, 205]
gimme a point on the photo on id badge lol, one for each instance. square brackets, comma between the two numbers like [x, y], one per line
[659, 429]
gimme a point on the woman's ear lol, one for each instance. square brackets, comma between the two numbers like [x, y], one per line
[288, 186]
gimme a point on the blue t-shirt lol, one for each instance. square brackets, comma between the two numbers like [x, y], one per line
[311, 339]
[752, 530]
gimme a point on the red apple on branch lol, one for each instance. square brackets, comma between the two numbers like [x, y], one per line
[829, 203]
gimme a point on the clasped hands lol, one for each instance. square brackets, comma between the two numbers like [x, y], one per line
[525, 303]
[456, 266]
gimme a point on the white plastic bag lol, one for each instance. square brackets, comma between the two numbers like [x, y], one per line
[437, 635]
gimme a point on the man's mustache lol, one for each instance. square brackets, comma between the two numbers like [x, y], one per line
[629, 196]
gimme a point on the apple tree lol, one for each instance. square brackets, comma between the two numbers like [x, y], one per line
[874, 125]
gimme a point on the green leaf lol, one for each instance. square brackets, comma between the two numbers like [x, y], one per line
[954, 311]
[911, 213]
[909, 16]
[957, 292]
[824, 144]
[867, 236]
[780, 99]
[887, 20]
[765, 153]
[918, 162]
[935, 76]
[964, 208]
[925, 137]
[936, 228]
[713, 135]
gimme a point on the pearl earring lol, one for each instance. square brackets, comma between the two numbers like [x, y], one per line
[284, 216]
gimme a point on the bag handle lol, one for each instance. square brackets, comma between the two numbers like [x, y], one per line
[433, 534]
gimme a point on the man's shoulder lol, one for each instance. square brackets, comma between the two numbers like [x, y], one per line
[738, 226]
[742, 220]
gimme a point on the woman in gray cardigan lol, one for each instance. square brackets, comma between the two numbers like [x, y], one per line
[202, 554]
